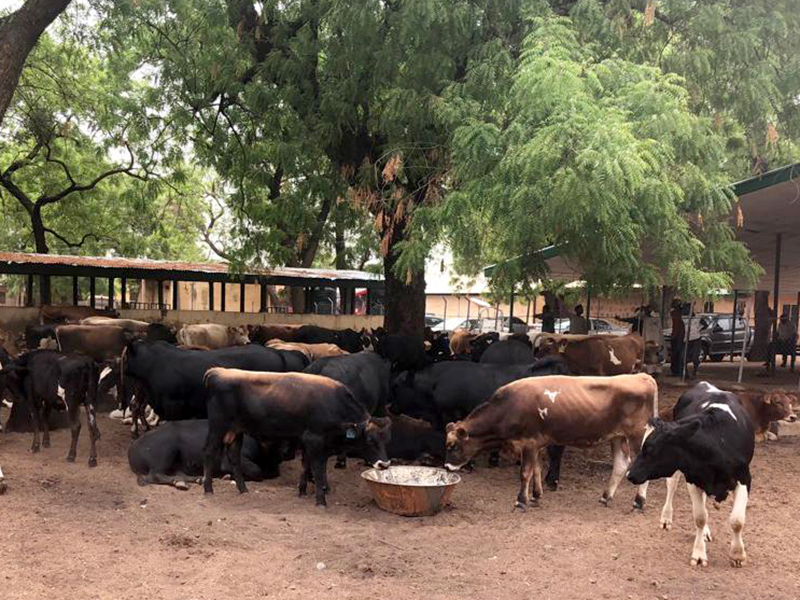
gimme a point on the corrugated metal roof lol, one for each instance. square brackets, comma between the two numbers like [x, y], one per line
[143, 264]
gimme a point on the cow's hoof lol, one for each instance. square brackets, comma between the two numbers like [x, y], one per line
[70, 459]
[92, 462]
[322, 503]
[552, 485]
[34, 449]
[181, 485]
[3, 488]
[208, 492]
[699, 562]
[605, 500]
[45, 443]
[666, 524]
[707, 534]
[519, 507]
[242, 490]
[141, 480]
[301, 492]
[638, 503]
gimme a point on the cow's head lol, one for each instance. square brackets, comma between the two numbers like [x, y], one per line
[653, 357]
[370, 438]
[665, 445]
[779, 405]
[350, 340]
[460, 447]
[239, 335]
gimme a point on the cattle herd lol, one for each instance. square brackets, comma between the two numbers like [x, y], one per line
[239, 401]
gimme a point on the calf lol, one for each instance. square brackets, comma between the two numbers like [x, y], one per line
[508, 352]
[766, 408]
[311, 351]
[316, 411]
[529, 414]
[461, 342]
[404, 352]
[174, 452]
[261, 334]
[40, 336]
[711, 443]
[46, 378]
[597, 354]
[415, 440]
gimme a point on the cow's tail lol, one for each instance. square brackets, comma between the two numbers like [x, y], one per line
[655, 397]
[121, 383]
[58, 341]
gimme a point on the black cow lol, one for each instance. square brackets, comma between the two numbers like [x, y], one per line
[482, 343]
[365, 374]
[346, 339]
[316, 411]
[711, 442]
[508, 352]
[449, 391]
[404, 352]
[158, 332]
[34, 334]
[44, 379]
[174, 452]
[439, 349]
[415, 440]
[173, 377]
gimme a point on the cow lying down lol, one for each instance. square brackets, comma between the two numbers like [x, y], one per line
[525, 416]
[711, 442]
[173, 454]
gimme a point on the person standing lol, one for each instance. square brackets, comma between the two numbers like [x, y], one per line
[787, 339]
[548, 317]
[578, 324]
[677, 336]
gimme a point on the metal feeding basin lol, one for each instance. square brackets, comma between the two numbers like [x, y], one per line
[411, 491]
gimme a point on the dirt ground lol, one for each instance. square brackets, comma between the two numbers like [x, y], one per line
[67, 532]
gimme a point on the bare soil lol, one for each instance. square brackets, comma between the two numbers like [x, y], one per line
[69, 532]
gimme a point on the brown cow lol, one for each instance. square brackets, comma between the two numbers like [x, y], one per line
[598, 354]
[530, 414]
[765, 408]
[261, 334]
[310, 351]
[101, 342]
[72, 314]
[131, 325]
[461, 342]
[212, 335]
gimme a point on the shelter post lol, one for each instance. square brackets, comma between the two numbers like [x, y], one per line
[123, 285]
[734, 318]
[775, 299]
[176, 295]
[29, 291]
[511, 312]
[589, 306]
[263, 303]
[751, 300]
[74, 290]
[222, 296]
[92, 301]
[110, 292]
[242, 291]
[160, 287]
[211, 295]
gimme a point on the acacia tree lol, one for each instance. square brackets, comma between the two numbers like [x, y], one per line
[79, 173]
[19, 32]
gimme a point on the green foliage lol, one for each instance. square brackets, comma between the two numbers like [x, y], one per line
[83, 144]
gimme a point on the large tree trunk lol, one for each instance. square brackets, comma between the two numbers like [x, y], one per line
[404, 298]
[40, 239]
[19, 33]
[341, 254]
[763, 330]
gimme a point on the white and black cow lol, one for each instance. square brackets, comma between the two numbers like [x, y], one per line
[711, 442]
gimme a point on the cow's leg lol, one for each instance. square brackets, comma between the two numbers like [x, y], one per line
[211, 456]
[494, 458]
[737, 553]
[536, 481]
[304, 474]
[162, 479]
[44, 407]
[75, 427]
[94, 432]
[235, 455]
[341, 461]
[528, 457]
[554, 454]
[634, 442]
[36, 419]
[698, 496]
[666, 512]
[621, 462]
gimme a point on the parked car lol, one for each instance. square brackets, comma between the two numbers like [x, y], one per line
[598, 327]
[715, 336]
[433, 321]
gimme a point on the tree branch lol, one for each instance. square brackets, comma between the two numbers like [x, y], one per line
[72, 244]
[15, 191]
[18, 164]
[74, 187]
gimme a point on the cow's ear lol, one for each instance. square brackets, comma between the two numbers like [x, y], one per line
[449, 427]
[689, 429]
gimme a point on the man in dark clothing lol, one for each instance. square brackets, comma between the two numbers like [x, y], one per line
[548, 317]
[677, 338]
